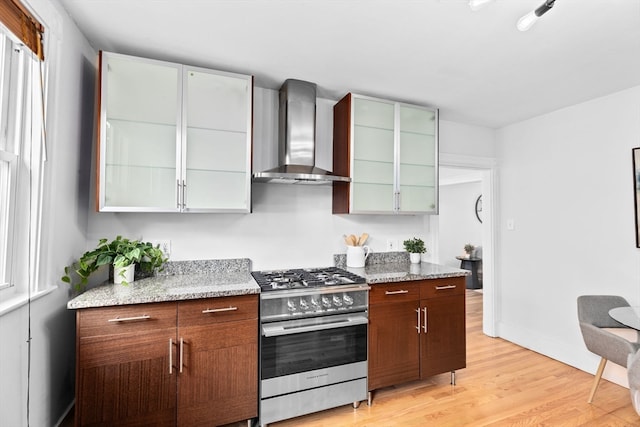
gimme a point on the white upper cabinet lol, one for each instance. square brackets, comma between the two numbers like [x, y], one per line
[390, 151]
[173, 138]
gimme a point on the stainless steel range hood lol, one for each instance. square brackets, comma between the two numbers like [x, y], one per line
[297, 144]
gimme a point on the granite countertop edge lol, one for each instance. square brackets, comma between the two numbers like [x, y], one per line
[182, 281]
[186, 280]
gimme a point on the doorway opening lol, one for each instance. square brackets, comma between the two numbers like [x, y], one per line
[479, 173]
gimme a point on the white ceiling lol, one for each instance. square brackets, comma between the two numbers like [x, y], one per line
[475, 66]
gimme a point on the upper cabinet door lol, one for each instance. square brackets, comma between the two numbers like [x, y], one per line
[173, 138]
[373, 170]
[390, 151]
[417, 165]
[217, 146]
[139, 124]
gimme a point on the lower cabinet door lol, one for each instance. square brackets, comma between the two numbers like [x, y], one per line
[443, 344]
[393, 344]
[124, 380]
[218, 346]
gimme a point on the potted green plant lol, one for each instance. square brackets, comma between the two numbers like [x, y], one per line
[468, 248]
[415, 247]
[123, 254]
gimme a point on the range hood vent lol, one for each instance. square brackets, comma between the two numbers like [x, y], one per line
[297, 144]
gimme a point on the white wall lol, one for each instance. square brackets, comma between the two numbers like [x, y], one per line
[566, 181]
[70, 135]
[458, 223]
[291, 225]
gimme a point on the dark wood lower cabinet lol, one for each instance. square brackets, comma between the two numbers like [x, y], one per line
[416, 330]
[190, 363]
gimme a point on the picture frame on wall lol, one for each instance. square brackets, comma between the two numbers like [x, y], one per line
[636, 192]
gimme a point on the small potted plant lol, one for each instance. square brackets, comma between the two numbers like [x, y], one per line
[415, 247]
[468, 249]
[123, 254]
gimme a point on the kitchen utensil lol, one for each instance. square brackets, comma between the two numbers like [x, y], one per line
[363, 238]
[353, 240]
[356, 255]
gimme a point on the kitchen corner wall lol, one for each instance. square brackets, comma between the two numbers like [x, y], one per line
[566, 186]
[291, 225]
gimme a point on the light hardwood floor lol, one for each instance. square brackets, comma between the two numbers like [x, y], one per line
[502, 385]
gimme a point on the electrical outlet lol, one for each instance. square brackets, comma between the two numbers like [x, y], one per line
[164, 245]
[392, 245]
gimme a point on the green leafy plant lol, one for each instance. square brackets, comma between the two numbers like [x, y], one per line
[119, 252]
[468, 248]
[415, 246]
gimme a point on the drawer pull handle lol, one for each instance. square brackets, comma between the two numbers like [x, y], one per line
[402, 291]
[439, 288]
[219, 310]
[130, 319]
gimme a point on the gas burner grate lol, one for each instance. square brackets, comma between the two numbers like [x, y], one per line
[304, 278]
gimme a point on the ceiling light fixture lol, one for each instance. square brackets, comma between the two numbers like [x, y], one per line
[530, 18]
[478, 4]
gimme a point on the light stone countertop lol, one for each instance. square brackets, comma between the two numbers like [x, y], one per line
[386, 267]
[182, 280]
[405, 271]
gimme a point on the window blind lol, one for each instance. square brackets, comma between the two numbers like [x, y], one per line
[15, 16]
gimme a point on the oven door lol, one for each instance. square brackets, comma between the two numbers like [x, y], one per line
[304, 345]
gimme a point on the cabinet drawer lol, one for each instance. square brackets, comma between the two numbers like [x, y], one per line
[442, 287]
[394, 292]
[215, 310]
[125, 319]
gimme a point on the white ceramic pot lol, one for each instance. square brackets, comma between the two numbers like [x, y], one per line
[356, 255]
[415, 258]
[124, 274]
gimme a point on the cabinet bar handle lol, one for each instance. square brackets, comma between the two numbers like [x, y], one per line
[178, 193]
[181, 353]
[424, 324]
[130, 319]
[439, 288]
[170, 356]
[418, 326]
[218, 310]
[401, 291]
[184, 194]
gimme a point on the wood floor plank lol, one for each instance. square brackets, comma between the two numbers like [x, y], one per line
[502, 385]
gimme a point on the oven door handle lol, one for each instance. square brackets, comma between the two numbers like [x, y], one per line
[276, 330]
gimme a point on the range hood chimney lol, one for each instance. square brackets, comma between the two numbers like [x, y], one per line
[296, 139]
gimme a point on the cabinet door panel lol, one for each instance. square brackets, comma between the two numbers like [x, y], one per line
[216, 101]
[219, 378]
[217, 111]
[372, 197]
[124, 380]
[373, 113]
[141, 90]
[373, 144]
[139, 133]
[443, 346]
[373, 172]
[393, 344]
[417, 120]
[216, 150]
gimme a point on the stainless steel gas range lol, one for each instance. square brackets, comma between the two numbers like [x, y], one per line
[313, 345]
